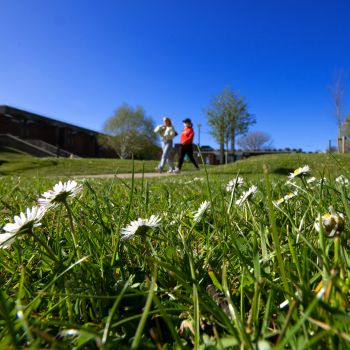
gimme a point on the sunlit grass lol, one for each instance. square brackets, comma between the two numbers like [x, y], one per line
[280, 165]
[217, 272]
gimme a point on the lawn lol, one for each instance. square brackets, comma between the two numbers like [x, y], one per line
[14, 163]
[232, 258]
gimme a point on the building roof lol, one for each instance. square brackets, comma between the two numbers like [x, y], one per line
[15, 112]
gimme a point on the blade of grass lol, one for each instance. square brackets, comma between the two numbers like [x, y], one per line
[146, 309]
[274, 232]
[111, 314]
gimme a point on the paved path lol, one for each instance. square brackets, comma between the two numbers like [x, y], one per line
[124, 175]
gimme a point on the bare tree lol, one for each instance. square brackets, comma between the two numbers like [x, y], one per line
[337, 93]
[255, 140]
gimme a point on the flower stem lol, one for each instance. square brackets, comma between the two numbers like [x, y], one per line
[50, 252]
[70, 217]
[336, 250]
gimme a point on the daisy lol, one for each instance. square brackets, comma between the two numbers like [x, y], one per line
[177, 217]
[23, 223]
[196, 179]
[233, 183]
[286, 197]
[300, 171]
[202, 209]
[311, 180]
[6, 239]
[332, 222]
[59, 194]
[139, 226]
[342, 180]
[251, 191]
[322, 181]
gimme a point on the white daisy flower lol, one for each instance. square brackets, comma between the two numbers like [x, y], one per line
[234, 183]
[300, 171]
[25, 221]
[311, 180]
[251, 191]
[342, 180]
[196, 179]
[59, 194]
[332, 223]
[323, 180]
[139, 226]
[202, 209]
[286, 197]
[22, 223]
[177, 217]
[6, 239]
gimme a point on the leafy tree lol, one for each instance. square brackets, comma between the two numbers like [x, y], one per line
[228, 117]
[255, 140]
[130, 133]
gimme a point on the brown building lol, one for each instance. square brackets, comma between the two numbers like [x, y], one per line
[60, 138]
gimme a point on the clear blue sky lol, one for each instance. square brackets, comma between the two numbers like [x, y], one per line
[78, 60]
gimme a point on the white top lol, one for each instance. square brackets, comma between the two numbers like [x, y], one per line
[167, 133]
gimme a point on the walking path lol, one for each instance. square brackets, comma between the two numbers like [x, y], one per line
[125, 175]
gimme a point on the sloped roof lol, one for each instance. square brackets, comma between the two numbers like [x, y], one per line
[15, 112]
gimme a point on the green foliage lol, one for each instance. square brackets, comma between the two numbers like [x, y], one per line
[130, 133]
[228, 117]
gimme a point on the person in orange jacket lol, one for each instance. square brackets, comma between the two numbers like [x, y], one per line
[186, 145]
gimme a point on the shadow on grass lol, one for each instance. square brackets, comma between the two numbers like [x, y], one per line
[282, 171]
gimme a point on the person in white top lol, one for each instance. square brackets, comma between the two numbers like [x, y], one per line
[167, 132]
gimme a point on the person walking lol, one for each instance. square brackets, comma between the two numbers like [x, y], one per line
[186, 145]
[167, 132]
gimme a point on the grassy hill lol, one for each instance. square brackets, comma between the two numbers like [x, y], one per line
[282, 164]
[14, 163]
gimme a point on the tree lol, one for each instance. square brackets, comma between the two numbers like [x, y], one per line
[130, 133]
[228, 117]
[337, 93]
[255, 140]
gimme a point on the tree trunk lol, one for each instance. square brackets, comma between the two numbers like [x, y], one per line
[222, 153]
[233, 145]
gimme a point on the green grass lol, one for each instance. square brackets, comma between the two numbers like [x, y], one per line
[14, 163]
[256, 275]
[283, 164]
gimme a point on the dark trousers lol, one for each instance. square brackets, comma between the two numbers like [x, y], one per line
[186, 149]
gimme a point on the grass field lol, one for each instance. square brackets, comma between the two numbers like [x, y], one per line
[14, 163]
[178, 262]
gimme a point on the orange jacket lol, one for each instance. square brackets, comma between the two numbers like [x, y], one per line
[187, 136]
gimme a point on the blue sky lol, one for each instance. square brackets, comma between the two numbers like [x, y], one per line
[78, 60]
